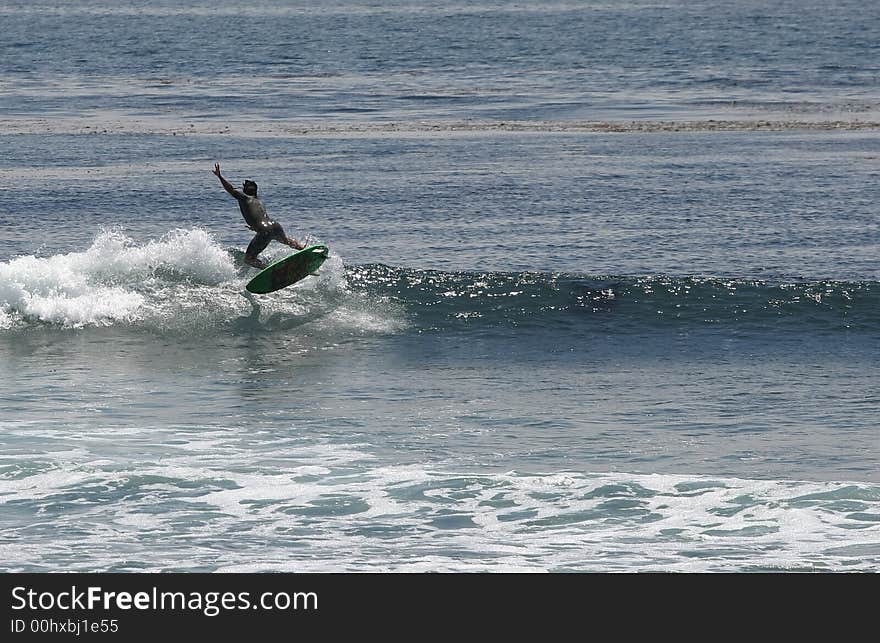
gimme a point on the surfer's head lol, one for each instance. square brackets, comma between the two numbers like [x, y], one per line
[249, 188]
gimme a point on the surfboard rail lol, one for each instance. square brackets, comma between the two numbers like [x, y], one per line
[288, 270]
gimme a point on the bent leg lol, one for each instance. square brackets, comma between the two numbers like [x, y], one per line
[279, 235]
[255, 247]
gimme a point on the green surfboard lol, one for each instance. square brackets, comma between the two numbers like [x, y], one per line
[288, 270]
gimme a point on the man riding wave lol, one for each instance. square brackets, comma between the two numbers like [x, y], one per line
[254, 213]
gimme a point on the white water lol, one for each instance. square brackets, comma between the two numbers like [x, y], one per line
[317, 501]
[183, 281]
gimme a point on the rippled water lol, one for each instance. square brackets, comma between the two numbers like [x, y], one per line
[602, 292]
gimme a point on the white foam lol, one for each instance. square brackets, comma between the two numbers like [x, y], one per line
[192, 254]
[347, 512]
[56, 290]
[106, 283]
[6, 320]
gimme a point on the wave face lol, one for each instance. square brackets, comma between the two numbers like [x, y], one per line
[625, 304]
[186, 281]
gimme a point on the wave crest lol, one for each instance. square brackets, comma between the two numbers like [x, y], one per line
[110, 281]
[622, 304]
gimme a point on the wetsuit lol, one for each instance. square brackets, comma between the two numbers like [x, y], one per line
[255, 216]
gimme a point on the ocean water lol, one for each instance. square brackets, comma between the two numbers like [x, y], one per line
[603, 292]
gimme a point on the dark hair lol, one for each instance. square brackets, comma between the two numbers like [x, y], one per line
[250, 184]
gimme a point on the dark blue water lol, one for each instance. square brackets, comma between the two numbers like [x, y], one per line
[603, 292]
[379, 61]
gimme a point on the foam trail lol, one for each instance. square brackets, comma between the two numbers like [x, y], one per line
[182, 282]
[108, 282]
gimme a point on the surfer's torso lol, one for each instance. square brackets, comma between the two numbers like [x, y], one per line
[253, 211]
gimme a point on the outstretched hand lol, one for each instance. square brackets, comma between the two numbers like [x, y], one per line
[216, 169]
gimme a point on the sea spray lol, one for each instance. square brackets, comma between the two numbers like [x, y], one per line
[183, 282]
[110, 281]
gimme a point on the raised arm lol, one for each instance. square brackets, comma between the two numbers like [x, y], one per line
[226, 184]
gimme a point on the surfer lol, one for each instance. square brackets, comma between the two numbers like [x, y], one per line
[255, 216]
